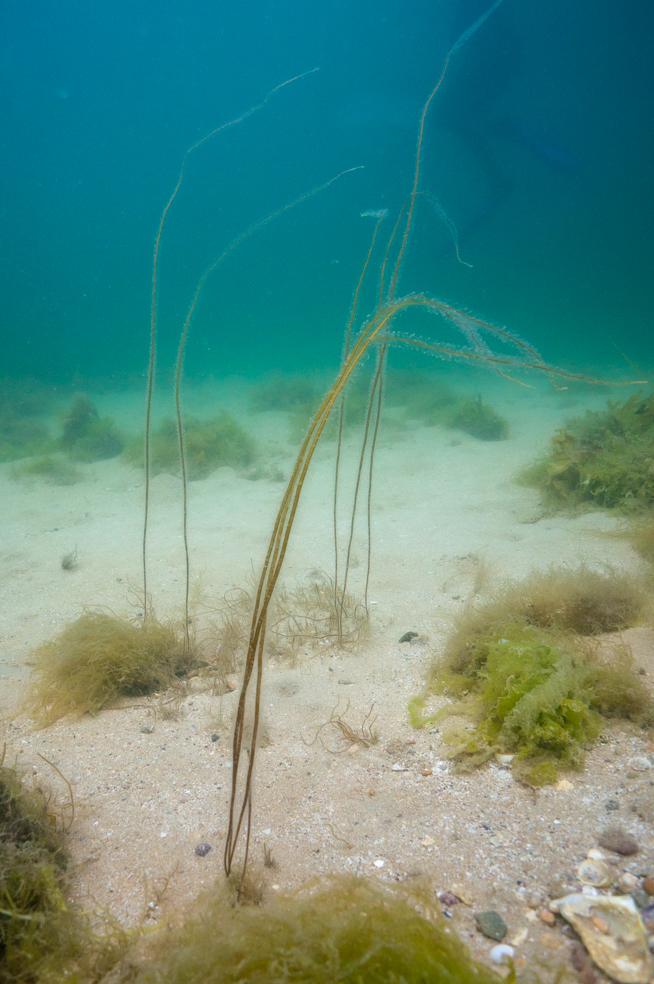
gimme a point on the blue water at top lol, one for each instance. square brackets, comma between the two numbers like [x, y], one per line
[538, 148]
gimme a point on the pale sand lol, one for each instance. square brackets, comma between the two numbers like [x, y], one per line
[444, 505]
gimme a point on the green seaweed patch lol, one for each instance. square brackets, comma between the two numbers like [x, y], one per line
[43, 939]
[529, 678]
[36, 929]
[348, 930]
[99, 658]
[88, 437]
[425, 397]
[531, 694]
[54, 469]
[602, 459]
[208, 444]
[478, 419]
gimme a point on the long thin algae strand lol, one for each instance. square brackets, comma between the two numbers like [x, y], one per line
[377, 330]
[180, 361]
[374, 332]
[153, 316]
[380, 216]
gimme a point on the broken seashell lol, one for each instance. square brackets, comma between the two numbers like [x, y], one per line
[612, 932]
[595, 873]
[597, 854]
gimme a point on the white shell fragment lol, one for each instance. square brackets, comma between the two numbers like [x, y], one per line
[595, 873]
[597, 854]
[613, 933]
[502, 953]
[640, 764]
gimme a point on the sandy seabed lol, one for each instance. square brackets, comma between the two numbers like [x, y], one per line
[445, 509]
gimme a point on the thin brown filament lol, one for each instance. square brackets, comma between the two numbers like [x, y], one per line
[416, 178]
[341, 419]
[382, 276]
[355, 499]
[70, 790]
[180, 360]
[272, 568]
[373, 445]
[153, 314]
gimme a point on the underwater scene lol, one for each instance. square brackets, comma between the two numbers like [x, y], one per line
[327, 492]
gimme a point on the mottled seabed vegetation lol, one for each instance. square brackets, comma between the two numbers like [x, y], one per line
[43, 938]
[87, 436]
[344, 929]
[208, 444]
[532, 680]
[414, 395]
[603, 460]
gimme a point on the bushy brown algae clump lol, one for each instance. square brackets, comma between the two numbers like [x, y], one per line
[100, 658]
[533, 687]
[346, 929]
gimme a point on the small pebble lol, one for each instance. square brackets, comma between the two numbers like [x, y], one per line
[215, 737]
[618, 840]
[534, 901]
[640, 764]
[147, 728]
[648, 885]
[202, 850]
[612, 804]
[502, 954]
[427, 772]
[408, 636]
[547, 917]
[491, 924]
[627, 882]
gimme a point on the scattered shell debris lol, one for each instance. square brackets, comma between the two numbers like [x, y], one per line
[612, 932]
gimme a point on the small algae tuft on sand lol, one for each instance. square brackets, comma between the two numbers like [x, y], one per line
[532, 682]
[603, 459]
[53, 469]
[88, 437]
[346, 929]
[99, 658]
[208, 444]
[478, 419]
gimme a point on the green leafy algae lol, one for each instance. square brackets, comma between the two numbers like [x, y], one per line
[604, 458]
[347, 930]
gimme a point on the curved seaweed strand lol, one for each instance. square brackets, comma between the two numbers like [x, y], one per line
[374, 332]
[180, 362]
[153, 313]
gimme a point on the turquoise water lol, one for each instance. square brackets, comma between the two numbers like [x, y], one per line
[538, 148]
